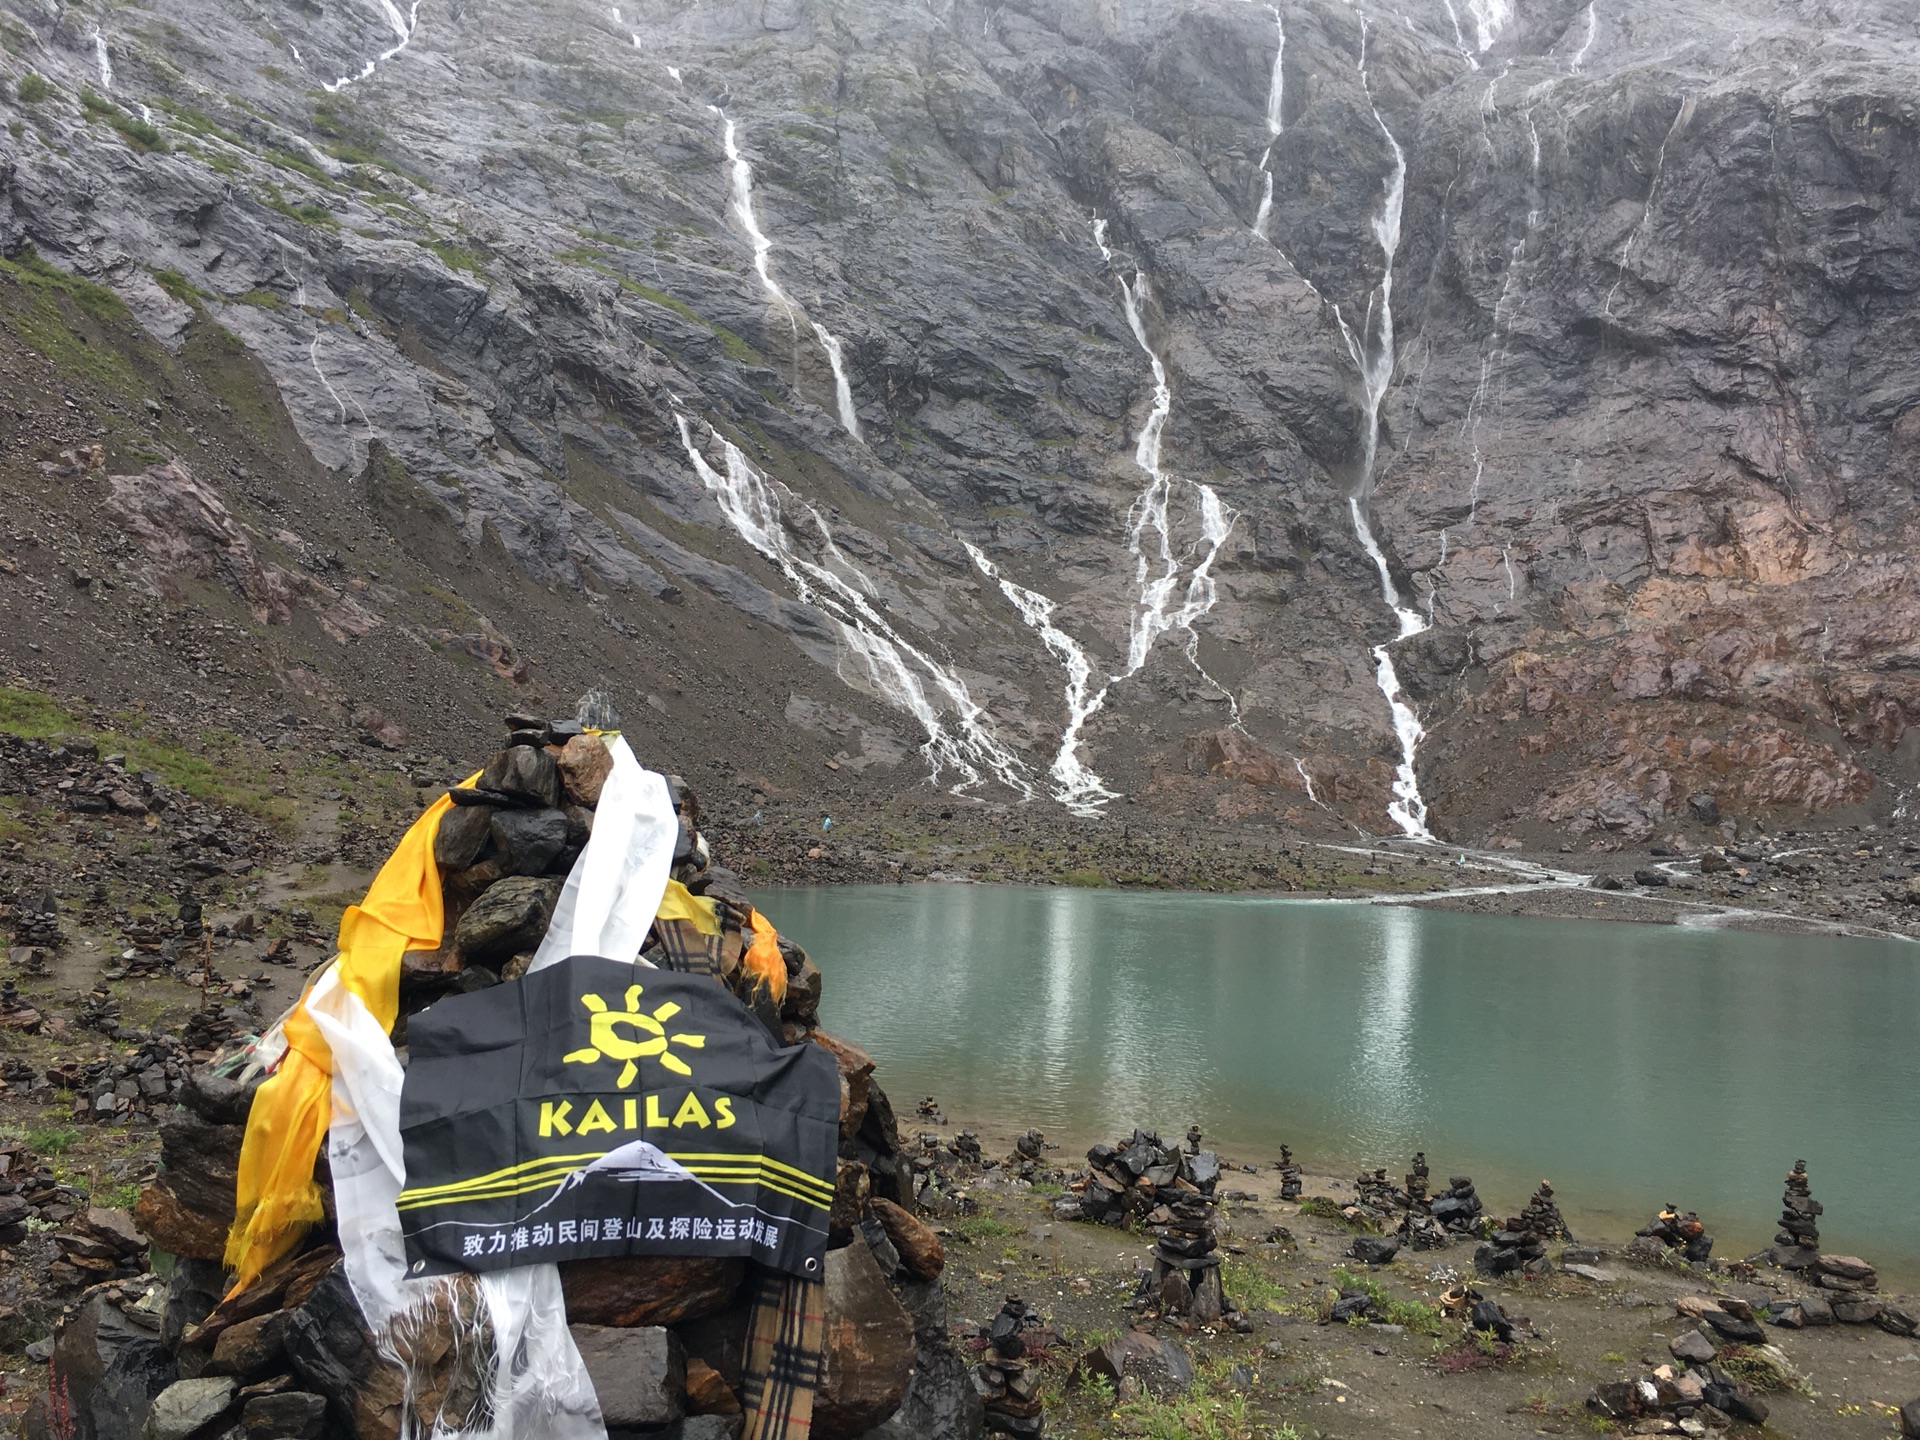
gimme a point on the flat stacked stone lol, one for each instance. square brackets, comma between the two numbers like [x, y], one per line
[1006, 1379]
[1521, 1243]
[1292, 1177]
[1458, 1207]
[1797, 1246]
[1677, 1229]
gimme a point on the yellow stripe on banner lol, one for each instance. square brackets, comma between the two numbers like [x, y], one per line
[685, 1155]
[513, 1184]
[502, 1173]
[506, 1189]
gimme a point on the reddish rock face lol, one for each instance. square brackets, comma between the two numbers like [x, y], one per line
[869, 1351]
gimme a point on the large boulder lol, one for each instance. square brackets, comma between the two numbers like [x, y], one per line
[106, 1371]
[639, 1374]
[188, 1208]
[648, 1290]
[869, 1350]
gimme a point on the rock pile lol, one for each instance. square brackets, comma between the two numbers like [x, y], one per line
[29, 1190]
[1374, 1194]
[1028, 1160]
[1844, 1295]
[1521, 1243]
[1798, 1244]
[1292, 1178]
[291, 1356]
[1693, 1394]
[1133, 1178]
[1007, 1377]
[1419, 1228]
[1458, 1207]
[147, 1082]
[1675, 1229]
[97, 1244]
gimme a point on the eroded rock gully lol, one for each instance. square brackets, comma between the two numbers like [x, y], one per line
[760, 314]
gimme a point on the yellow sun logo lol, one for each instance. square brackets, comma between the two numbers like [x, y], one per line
[609, 1044]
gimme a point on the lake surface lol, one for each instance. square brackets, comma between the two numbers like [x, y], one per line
[1631, 1064]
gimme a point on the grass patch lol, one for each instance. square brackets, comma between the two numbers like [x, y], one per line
[178, 286]
[52, 1140]
[135, 131]
[454, 257]
[1209, 1410]
[1252, 1288]
[262, 298]
[307, 212]
[1416, 1315]
[33, 88]
[976, 1228]
[1087, 879]
[1323, 1208]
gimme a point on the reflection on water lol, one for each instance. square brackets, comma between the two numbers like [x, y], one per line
[1630, 1064]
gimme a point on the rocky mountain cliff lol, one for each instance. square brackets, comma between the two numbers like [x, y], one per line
[1495, 417]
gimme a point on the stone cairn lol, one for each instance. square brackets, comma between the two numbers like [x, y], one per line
[1521, 1243]
[1693, 1390]
[1457, 1207]
[1675, 1229]
[1007, 1377]
[1028, 1160]
[1797, 1246]
[1171, 1193]
[1292, 1177]
[291, 1357]
[1419, 1228]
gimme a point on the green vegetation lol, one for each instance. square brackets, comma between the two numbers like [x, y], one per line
[178, 286]
[1087, 878]
[983, 1227]
[135, 131]
[1210, 1410]
[262, 298]
[33, 88]
[456, 258]
[1322, 1208]
[1252, 1288]
[1416, 1315]
[52, 1140]
[46, 306]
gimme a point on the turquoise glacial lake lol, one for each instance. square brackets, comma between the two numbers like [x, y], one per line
[1631, 1064]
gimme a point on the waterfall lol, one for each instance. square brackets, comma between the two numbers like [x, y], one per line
[894, 669]
[1372, 351]
[742, 174]
[1276, 122]
[1502, 325]
[842, 391]
[1075, 786]
[403, 27]
[1580, 55]
[1680, 120]
[106, 63]
[1490, 17]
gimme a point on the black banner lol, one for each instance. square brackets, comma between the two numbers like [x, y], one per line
[595, 1108]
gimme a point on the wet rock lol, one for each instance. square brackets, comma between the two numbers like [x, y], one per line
[1910, 1420]
[525, 774]
[187, 1407]
[648, 1290]
[334, 1354]
[919, 1248]
[463, 833]
[1740, 1330]
[529, 841]
[639, 1373]
[251, 1347]
[109, 1370]
[288, 1415]
[1692, 1348]
[509, 917]
[584, 763]
[1375, 1249]
[869, 1349]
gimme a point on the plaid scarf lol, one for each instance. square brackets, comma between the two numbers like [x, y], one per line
[787, 1332]
[785, 1339]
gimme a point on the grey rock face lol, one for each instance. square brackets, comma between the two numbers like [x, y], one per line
[1645, 428]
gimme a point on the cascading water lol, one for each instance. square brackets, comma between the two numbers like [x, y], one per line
[1680, 119]
[105, 61]
[1276, 122]
[895, 670]
[741, 171]
[1496, 336]
[1075, 786]
[1372, 351]
[1152, 616]
[1490, 17]
[1593, 28]
[403, 27]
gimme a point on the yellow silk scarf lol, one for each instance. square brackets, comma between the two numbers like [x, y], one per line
[275, 1197]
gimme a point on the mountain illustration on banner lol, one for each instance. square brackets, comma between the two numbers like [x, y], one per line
[543, 1122]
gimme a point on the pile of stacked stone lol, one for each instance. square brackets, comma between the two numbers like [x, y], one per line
[1375, 1196]
[662, 1337]
[146, 1082]
[97, 1243]
[1007, 1378]
[1028, 1160]
[1420, 1229]
[1797, 1246]
[36, 927]
[1844, 1294]
[1292, 1177]
[1677, 1229]
[1521, 1243]
[1132, 1177]
[1692, 1395]
[1458, 1207]
[16, 1013]
[29, 1190]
